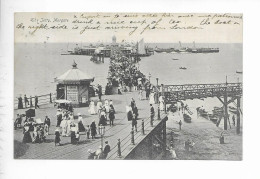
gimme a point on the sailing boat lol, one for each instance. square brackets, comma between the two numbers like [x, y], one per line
[141, 47]
[182, 49]
[194, 49]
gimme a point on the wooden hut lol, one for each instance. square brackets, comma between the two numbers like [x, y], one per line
[74, 86]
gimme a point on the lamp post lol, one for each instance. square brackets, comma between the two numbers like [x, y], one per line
[157, 79]
[102, 133]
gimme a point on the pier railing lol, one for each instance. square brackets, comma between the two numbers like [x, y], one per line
[42, 100]
[175, 93]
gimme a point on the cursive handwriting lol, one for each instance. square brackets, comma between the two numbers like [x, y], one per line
[129, 23]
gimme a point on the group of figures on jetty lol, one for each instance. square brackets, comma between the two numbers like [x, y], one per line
[123, 72]
[27, 102]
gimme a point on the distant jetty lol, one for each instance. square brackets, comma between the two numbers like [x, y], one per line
[128, 49]
[182, 49]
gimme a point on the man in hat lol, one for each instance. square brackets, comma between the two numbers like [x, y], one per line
[26, 101]
[152, 112]
[36, 102]
[132, 103]
[59, 117]
[106, 150]
[47, 124]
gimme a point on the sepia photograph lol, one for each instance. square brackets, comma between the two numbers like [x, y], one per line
[128, 86]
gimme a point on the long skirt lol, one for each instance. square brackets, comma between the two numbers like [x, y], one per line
[27, 137]
[57, 139]
[92, 109]
[161, 106]
[81, 127]
[73, 137]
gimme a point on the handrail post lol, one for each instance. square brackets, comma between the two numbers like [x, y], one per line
[143, 127]
[50, 98]
[119, 148]
[132, 137]
[159, 118]
[165, 100]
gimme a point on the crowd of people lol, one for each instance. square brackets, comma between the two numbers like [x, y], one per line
[68, 124]
[123, 72]
[35, 131]
[105, 112]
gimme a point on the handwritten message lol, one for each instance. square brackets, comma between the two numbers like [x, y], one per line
[129, 23]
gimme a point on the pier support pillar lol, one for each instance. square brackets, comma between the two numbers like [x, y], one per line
[238, 115]
[225, 113]
[163, 94]
[150, 143]
[164, 138]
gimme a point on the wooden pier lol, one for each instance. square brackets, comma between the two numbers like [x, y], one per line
[121, 130]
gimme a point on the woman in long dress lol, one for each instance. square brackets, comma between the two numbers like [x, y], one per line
[161, 101]
[151, 101]
[107, 106]
[102, 119]
[92, 108]
[27, 137]
[99, 107]
[93, 130]
[140, 94]
[80, 124]
[69, 122]
[64, 126]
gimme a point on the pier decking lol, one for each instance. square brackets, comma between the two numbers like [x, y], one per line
[120, 130]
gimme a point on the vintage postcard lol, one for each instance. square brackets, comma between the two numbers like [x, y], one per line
[115, 86]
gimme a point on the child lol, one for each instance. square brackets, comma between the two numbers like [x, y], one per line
[77, 137]
[57, 137]
[88, 131]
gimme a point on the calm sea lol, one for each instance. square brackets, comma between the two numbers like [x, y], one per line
[36, 66]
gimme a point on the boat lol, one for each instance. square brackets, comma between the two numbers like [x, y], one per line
[172, 108]
[175, 59]
[163, 50]
[233, 110]
[203, 50]
[206, 50]
[181, 49]
[95, 60]
[213, 118]
[183, 68]
[239, 72]
[186, 118]
[203, 113]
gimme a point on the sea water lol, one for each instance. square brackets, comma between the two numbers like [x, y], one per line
[36, 65]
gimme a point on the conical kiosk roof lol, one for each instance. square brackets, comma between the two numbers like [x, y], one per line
[74, 76]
